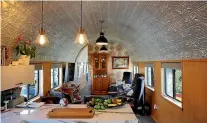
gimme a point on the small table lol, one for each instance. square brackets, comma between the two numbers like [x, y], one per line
[123, 114]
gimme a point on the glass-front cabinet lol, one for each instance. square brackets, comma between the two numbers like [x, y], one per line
[100, 80]
[96, 61]
[103, 59]
[100, 61]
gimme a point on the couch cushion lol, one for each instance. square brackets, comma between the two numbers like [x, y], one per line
[55, 93]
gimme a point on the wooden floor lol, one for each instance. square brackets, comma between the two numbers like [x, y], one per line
[145, 119]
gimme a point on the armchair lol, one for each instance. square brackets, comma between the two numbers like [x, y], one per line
[127, 77]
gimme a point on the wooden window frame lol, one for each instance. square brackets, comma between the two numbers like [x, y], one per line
[165, 85]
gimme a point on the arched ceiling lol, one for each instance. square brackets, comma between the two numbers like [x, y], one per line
[150, 30]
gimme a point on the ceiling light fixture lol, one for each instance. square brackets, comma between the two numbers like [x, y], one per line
[102, 40]
[42, 38]
[81, 37]
[103, 49]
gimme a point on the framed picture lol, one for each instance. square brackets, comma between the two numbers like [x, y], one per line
[120, 62]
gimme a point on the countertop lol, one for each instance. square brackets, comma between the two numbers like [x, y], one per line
[123, 114]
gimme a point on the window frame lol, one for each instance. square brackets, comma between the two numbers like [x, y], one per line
[152, 77]
[54, 77]
[135, 69]
[38, 87]
[174, 84]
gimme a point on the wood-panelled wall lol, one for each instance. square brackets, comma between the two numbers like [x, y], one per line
[194, 80]
[46, 77]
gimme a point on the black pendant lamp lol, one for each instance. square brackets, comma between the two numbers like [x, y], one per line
[103, 49]
[101, 40]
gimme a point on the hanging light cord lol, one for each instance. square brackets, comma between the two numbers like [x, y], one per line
[101, 27]
[42, 13]
[81, 13]
[101, 21]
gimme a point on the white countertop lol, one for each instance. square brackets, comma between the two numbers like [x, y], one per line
[123, 114]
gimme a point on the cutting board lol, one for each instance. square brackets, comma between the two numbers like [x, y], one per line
[71, 113]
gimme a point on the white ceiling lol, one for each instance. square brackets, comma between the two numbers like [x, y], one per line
[149, 30]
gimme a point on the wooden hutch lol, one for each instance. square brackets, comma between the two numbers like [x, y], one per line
[100, 77]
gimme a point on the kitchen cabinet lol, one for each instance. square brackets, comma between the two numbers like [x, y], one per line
[14, 76]
[101, 85]
[100, 80]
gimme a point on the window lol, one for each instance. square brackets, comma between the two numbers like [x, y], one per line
[173, 83]
[136, 70]
[149, 73]
[32, 90]
[55, 74]
[83, 68]
[87, 68]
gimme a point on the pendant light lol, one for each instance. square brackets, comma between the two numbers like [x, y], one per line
[101, 40]
[42, 38]
[81, 37]
[103, 49]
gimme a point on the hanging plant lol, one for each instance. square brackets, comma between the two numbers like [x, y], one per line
[24, 47]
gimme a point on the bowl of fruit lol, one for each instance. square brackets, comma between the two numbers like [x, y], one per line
[100, 103]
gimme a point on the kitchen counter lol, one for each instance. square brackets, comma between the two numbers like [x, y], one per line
[123, 114]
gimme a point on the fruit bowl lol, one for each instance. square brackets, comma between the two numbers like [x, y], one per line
[100, 103]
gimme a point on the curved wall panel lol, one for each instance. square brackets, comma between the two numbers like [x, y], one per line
[149, 30]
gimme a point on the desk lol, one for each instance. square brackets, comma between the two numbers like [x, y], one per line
[123, 114]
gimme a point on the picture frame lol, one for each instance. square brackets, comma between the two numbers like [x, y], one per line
[120, 62]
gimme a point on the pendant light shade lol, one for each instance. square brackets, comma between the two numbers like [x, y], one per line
[42, 37]
[81, 37]
[103, 49]
[101, 40]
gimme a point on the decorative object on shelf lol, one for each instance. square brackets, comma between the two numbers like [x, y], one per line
[102, 40]
[90, 47]
[103, 49]
[111, 47]
[81, 37]
[96, 48]
[24, 60]
[25, 49]
[119, 48]
[64, 102]
[42, 38]
[120, 62]
[6, 52]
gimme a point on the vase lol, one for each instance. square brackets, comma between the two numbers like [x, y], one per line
[25, 59]
[63, 102]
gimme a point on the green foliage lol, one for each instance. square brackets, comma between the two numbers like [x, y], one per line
[178, 81]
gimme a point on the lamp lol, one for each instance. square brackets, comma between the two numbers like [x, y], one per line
[101, 40]
[42, 38]
[103, 49]
[81, 37]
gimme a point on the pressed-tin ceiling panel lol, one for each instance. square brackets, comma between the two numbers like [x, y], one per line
[149, 30]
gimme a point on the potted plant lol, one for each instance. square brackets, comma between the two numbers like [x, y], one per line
[25, 49]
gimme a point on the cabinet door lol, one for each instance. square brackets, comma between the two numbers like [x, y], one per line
[97, 85]
[105, 84]
[103, 61]
[12, 76]
[96, 61]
